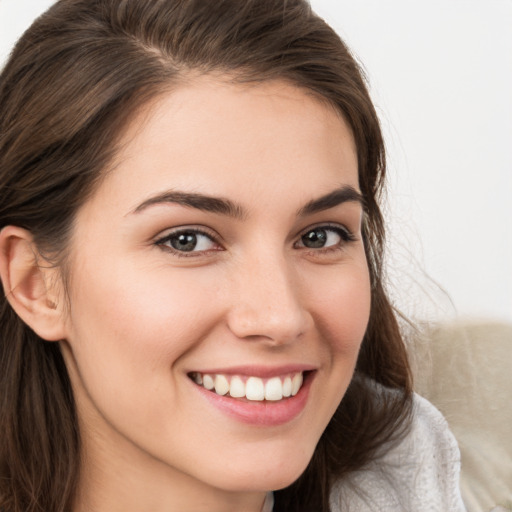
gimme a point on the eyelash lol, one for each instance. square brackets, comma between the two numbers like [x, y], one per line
[345, 235]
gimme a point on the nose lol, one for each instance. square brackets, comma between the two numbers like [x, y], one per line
[268, 303]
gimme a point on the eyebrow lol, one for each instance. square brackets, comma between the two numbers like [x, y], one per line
[339, 196]
[229, 208]
[198, 201]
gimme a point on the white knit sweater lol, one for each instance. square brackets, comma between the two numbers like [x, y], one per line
[419, 474]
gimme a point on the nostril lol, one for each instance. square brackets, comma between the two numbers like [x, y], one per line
[278, 327]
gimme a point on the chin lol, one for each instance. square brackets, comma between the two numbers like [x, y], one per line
[270, 475]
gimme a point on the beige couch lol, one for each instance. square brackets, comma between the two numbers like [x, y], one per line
[465, 370]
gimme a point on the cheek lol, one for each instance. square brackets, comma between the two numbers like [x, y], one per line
[126, 322]
[130, 330]
[341, 308]
[342, 312]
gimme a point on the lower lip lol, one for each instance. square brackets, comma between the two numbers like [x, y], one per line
[261, 413]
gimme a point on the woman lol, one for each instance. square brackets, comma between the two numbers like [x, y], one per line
[191, 255]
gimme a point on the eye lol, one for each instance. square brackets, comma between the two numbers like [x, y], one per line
[322, 237]
[188, 241]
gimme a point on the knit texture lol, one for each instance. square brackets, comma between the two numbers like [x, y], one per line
[420, 473]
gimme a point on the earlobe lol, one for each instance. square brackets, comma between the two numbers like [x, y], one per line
[32, 287]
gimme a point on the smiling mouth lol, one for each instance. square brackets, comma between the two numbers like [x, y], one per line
[251, 388]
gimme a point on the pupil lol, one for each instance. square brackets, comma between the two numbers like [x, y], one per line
[184, 242]
[315, 239]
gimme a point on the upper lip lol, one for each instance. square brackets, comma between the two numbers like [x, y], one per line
[264, 372]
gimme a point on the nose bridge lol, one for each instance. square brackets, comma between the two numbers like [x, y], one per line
[268, 301]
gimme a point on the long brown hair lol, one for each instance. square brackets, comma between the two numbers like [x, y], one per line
[73, 81]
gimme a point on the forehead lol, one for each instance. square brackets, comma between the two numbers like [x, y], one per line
[212, 136]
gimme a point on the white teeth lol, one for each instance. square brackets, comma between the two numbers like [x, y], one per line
[287, 387]
[221, 385]
[296, 383]
[254, 388]
[274, 389]
[237, 388]
[208, 382]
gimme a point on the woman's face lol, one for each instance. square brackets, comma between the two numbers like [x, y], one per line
[223, 249]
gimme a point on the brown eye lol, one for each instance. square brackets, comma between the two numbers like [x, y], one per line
[188, 241]
[184, 242]
[325, 236]
[315, 239]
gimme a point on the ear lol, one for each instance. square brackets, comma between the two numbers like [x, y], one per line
[32, 287]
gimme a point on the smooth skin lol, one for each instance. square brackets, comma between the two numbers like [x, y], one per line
[265, 282]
